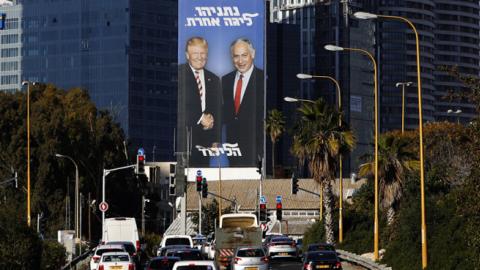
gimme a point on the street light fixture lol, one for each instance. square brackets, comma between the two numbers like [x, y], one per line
[457, 112]
[77, 229]
[340, 161]
[365, 15]
[375, 229]
[403, 84]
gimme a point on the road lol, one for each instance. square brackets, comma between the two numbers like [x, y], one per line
[296, 265]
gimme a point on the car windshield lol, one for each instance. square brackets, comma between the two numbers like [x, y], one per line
[103, 250]
[190, 255]
[177, 241]
[281, 239]
[195, 267]
[163, 264]
[258, 252]
[115, 258]
[320, 247]
[129, 247]
[321, 256]
[242, 222]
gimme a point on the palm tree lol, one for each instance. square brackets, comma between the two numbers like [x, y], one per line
[319, 140]
[395, 159]
[274, 125]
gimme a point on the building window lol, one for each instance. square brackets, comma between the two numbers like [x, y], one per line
[9, 39]
[11, 52]
[9, 79]
[9, 66]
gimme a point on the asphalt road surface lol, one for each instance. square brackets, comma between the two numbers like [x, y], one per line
[296, 265]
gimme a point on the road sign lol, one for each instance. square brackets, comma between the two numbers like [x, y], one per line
[141, 152]
[263, 200]
[278, 199]
[199, 173]
[103, 206]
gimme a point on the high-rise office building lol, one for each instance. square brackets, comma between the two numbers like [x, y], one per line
[123, 52]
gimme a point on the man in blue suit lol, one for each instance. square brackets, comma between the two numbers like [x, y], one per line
[243, 108]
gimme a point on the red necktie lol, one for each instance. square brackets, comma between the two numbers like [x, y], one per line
[238, 94]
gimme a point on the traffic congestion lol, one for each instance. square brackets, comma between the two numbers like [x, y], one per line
[238, 243]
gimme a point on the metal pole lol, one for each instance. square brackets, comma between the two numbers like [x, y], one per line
[199, 213]
[103, 200]
[403, 108]
[80, 224]
[77, 206]
[28, 156]
[89, 218]
[143, 215]
[219, 188]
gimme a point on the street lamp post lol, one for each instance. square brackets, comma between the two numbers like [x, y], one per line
[366, 16]
[29, 219]
[375, 229]
[77, 228]
[403, 84]
[457, 112]
[340, 161]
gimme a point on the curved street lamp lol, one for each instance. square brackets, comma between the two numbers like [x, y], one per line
[366, 16]
[303, 76]
[77, 228]
[375, 227]
[403, 84]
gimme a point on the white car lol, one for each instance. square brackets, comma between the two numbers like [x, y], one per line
[116, 260]
[282, 247]
[169, 240]
[194, 265]
[99, 250]
[246, 258]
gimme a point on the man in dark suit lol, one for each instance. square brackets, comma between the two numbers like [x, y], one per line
[199, 103]
[243, 108]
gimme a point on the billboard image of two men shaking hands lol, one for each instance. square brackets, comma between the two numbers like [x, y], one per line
[221, 96]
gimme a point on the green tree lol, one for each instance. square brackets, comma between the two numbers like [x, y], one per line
[395, 159]
[209, 216]
[318, 139]
[275, 126]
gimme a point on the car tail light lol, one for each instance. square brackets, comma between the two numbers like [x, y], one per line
[338, 265]
[138, 245]
[237, 259]
[100, 267]
[131, 266]
[307, 266]
[96, 259]
[293, 244]
[265, 259]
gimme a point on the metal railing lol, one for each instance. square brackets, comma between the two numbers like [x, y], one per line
[362, 261]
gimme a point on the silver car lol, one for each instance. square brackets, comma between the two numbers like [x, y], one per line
[282, 247]
[250, 258]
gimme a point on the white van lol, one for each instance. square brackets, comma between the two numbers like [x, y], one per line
[121, 229]
[169, 240]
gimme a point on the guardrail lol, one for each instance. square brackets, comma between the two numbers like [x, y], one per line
[362, 261]
[73, 263]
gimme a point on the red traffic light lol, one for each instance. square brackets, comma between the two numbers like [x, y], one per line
[279, 205]
[199, 179]
[141, 158]
[263, 206]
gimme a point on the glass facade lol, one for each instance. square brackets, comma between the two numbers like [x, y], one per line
[120, 51]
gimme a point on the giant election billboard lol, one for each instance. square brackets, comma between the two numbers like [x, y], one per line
[221, 85]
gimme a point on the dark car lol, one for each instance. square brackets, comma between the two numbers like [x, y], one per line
[320, 247]
[162, 263]
[186, 254]
[325, 259]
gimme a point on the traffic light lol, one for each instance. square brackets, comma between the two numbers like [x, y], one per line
[204, 188]
[294, 184]
[199, 183]
[259, 166]
[279, 211]
[3, 16]
[140, 169]
[263, 212]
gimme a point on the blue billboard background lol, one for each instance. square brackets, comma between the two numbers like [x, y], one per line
[220, 23]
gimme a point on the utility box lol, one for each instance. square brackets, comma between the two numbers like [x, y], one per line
[67, 239]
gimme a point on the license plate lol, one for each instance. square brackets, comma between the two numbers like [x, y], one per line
[283, 254]
[251, 268]
[116, 267]
[323, 266]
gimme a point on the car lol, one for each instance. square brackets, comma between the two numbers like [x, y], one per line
[186, 254]
[325, 259]
[99, 250]
[299, 243]
[246, 258]
[116, 260]
[282, 247]
[162, 263]
[170, 240]
[129, 247]
[269, 237]
[162, 250]
[194, 265]
[198, 241]
[320, 247]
